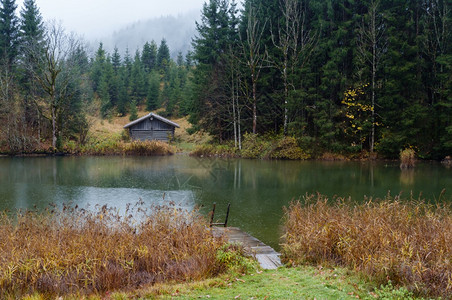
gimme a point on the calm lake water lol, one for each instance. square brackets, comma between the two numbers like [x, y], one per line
[257, 190]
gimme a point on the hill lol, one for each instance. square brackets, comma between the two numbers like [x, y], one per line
[177, 30]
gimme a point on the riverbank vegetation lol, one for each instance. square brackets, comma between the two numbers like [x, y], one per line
[406, 242]
[379, 249]
[255, 146]
[80, 252]
[337, 78]
[407, 158]
[115, 146]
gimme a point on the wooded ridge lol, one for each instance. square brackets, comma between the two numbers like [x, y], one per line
[339, 76]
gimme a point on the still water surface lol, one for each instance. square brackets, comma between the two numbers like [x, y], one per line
[257, 190]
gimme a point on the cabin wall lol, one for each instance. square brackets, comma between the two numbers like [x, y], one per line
[152, 130]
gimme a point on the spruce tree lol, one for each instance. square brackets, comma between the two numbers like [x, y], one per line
[149, 56]
[133, 110]
[104, 96]
[97, 71]
[116, 60]
[9, 32]
[153, 95]
[31, 25]
[32, 44]
[163, 57]
[212, 91]
[138, 84]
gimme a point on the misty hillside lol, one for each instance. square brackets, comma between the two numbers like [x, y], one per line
[178, 32]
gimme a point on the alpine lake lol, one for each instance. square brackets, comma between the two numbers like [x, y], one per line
[257, 190]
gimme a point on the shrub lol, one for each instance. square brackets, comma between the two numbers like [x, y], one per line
[407, 158]
[407, 243]
[254, 146]
[271, 147]
[231, 257]
[78, 251]
[328, 156]
[286, 148]
[214, 151]
[147, 148]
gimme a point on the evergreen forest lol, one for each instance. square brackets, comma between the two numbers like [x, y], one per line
[338, 76]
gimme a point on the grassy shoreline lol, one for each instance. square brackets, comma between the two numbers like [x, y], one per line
[69, 251]
[112, 147]
[79, 254]
[405, 241]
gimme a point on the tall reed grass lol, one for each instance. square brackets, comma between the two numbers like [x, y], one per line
[114, 146]
[76, 251]
[407, 242]
[407, 158]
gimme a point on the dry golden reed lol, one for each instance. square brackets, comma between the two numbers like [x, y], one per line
[407, 242]
[76, 251]
[407, 158]
[116, 147]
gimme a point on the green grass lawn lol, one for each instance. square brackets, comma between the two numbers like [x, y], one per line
[284, 283]
[304, 282]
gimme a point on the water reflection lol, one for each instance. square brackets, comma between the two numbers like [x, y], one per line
[257, 190]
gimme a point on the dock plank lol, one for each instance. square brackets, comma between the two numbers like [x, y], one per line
[267, 257]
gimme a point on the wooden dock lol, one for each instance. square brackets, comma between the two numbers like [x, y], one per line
[267, 257]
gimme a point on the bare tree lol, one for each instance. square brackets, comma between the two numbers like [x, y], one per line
[236, 108]
[371, 46]
[254, 56]
[295, 42]
[54, 73]
[7, 107]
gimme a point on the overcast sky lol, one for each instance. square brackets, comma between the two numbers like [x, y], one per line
[98, 18]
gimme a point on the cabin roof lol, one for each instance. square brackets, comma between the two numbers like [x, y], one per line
[160, 118]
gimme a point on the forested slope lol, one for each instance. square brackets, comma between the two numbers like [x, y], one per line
[339, 76]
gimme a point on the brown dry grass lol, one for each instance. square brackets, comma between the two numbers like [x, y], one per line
[75, 251]
[409, 243]
[407, 158]
[328, 156]
[115, 146]
[107, 129]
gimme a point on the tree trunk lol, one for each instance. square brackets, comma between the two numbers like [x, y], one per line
[254, 107]
[286, 93]
[54, 128]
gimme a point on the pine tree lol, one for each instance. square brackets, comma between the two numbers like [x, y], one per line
[173, 91]
[97, 71]
[153, 95]
[149, 56]
[127, 69]
[104, 96]
[9, 32]
[212, 92]
[116, 60]
[403, 111]
[180, 59]
[32, 43]
[138, 84]
[31, 24]
[163, 57]
[123, 100]
[133, 110]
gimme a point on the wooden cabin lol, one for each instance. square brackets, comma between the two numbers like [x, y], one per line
[152, 127]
